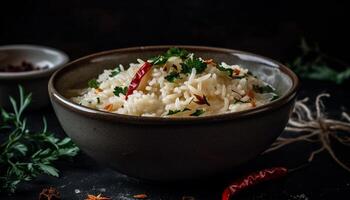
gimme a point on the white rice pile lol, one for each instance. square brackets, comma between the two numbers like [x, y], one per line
[193, 94]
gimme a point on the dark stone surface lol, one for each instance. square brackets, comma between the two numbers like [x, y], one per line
[269, 28]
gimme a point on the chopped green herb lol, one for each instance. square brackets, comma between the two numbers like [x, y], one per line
[172, 76]
[161, 59]
[98, 100]
[185, 109]
[263, 89]
[191, 63]
[116, 71]
[275, 96]
[172, 112]
[93, 83]
[197, 112]
[182, 53]
[118, 90]
[228, 71]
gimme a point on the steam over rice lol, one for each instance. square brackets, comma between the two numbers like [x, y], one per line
[177, 86]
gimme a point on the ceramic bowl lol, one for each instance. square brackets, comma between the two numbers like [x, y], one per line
[32, 81]
[168, 149]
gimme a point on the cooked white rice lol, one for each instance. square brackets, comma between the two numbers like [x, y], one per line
[160, 97]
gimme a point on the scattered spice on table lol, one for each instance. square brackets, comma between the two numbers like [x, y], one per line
[253, 179]
[50, 193]
[140, 196]
[315, 127]
[23, 67]
[98, 197]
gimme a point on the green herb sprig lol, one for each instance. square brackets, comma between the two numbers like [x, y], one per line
[120, 90]
[314, 64]
[25, 153]
[161, 59]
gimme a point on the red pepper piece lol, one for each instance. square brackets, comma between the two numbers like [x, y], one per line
[253, 179]
[146, 67]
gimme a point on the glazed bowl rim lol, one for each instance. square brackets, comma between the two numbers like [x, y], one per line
[98, 114]
[36, 73]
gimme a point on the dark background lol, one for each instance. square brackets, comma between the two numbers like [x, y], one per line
[273, 29]
[270, 28]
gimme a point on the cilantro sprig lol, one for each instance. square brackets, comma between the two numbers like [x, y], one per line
[198, 112]
[25, 153]
[172, 76]
[93, 83]
[120, 90]
[115, 72]
[163, 58]
[195, 63]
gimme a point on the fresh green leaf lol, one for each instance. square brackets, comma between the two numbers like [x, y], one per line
[228, 71]
[195, 63]
[115, 72]
[93, 83]
[47, 169]
[172, 52]
[25, 154]
[197, 112]
[172, 76]
[120, 90]
[173, 112]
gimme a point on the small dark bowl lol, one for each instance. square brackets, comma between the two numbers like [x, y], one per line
[165, 149]
[33, 81]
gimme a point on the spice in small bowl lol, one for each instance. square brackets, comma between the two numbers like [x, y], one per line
[25, 66]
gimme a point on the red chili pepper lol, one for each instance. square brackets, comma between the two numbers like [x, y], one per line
[253, 179]
[146, 67]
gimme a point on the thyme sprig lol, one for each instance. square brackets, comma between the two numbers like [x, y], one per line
[26, 153]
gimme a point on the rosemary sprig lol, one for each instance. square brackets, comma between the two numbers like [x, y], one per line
[314, 64]
[24, 153]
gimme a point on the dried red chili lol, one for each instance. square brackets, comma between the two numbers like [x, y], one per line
[253, 179]
[137, 79]
[140, 196]
[201, 100]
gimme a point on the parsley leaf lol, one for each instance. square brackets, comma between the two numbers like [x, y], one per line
[26, 154]
[116, 71]
[118, 90]
[172, 76]
[228, 71]
[172, 112]
[197, 112]
[93, 83]
[182, 53]
[191, 63]
[163, 58]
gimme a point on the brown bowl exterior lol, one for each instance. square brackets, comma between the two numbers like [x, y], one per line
[166, 149]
